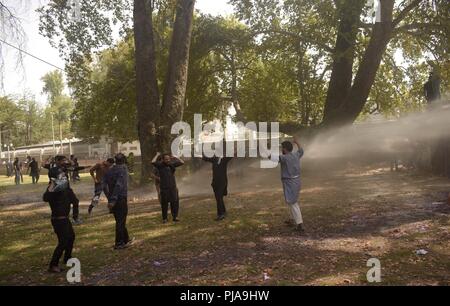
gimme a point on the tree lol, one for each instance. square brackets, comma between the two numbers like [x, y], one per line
[359, 46]
[30, 117]
[105, 109]
[8, 119]
[11, 32]
[155, 114]
[60, 104]
[22, 121]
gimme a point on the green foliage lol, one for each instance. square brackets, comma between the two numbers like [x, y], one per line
[290, 29]
[271, 58]
[23, 121]
[108, 107]
[60, 106]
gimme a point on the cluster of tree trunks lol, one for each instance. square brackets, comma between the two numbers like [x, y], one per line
[157, 114]
[346, 97]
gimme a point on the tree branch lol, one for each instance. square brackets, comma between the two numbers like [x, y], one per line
[402, 15]
[418, 26]
[295, 35]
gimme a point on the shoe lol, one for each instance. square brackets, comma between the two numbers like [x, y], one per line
[289, 222]
[165, 221]
[91, 207]
[54, 270]
[130, 243]
[176, 220]
[220, 218]
[300, 230]
[119, 247]
[77, 222]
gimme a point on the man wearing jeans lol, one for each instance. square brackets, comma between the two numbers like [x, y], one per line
[116, 189]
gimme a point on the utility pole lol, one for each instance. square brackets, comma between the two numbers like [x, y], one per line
[8, 148]
[53, 134]
[1, 146]
[60, 138]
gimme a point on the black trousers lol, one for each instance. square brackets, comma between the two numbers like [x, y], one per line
[66, 237]
[75, 204]
[220, 191]
[120, 212]
[221, 210]
[174, 202]
[35, 178]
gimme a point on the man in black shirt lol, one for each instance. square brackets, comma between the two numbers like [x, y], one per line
[50, 164]
[219, 182]
[58, 196]
[33, 167]
[168, 185]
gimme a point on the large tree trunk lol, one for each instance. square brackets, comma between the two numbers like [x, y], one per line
[147, 93]
[344, 55]
[365, 77]
[357, 96]
[175, 86]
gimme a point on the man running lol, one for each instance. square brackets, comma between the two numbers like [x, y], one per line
[98, 172]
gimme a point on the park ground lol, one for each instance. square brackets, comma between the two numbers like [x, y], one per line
[351, 215]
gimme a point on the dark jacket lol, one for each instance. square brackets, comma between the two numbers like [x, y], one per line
[59, 200]
[34, 168]
[115, 183]
[220, 178]
[168, 183]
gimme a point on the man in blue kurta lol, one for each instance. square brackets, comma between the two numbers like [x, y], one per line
[290, 178]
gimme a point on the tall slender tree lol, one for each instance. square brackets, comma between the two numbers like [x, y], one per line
[91, 31]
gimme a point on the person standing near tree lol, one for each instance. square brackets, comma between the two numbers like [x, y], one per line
[33, 168]
[157, 180]
[130, 163]
[168, 185]
[290, 178]
[97, 173]
[17, 167]
[115, 183]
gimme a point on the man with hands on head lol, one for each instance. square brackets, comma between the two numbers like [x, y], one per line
[168, 186]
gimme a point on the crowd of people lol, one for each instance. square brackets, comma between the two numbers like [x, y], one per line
[30, 166]
[111, 177]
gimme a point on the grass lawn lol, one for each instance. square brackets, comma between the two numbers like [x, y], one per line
[350, 218]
